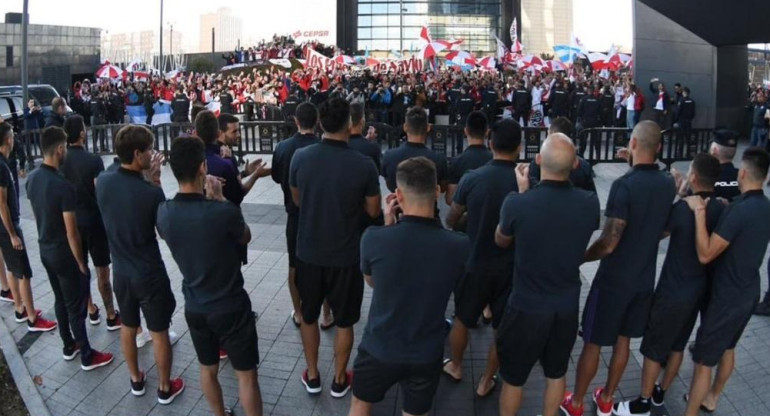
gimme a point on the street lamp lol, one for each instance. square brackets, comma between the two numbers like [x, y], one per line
[401, 26]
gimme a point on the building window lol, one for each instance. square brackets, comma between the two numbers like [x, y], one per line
[8, 56]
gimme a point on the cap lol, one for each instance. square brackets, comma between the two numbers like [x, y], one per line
[726, 137]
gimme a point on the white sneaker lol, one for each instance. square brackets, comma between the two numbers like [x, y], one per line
[143, 338]
[173, 337]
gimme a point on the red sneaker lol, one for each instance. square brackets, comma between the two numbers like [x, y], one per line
[568, 408]
[41, 325]
[222, 354]
[6, 296]
[98, 359]
[602, 408]
[166, 397]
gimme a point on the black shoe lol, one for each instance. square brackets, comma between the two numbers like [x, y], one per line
[137, 387]
[763, 308]
[637, 407]
[115, 323]
[69, 353]
[93, 318]
[658, 394]
[340, 390]
[312, 386]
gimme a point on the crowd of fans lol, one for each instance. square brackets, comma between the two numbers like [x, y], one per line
[278, 47]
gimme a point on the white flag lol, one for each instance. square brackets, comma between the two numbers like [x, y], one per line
[514, 32]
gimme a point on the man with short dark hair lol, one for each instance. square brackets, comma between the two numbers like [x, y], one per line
[404, 336]
[54, 203]
[58, 111]
[489, 269]
[129, 207]
[365, 145]
[551, 226]
[739, 241]
[474, 156]
[582, 174]
[81, 169]
[217, 307]
[306, 119]
[683, 284]
[334, 187]
[621, 293]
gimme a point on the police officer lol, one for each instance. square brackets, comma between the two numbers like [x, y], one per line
[225, 102]
[522, 104]
[589, 116]
[558, 101]
[453, 95]
[577, 95]
[149, 101]
[607, 101]
[685, 112]
[464, 108]
[99, 118]
[723, 148]
[290, 106]
[180, 107]
[489, 99]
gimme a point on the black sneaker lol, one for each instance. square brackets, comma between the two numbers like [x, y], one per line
[6, 296]
[763, 308]
[93, 318]
[312, 386]
[137, 387]
[69, 353]
[115, 323]
[638, 407]
[340, 390]
[658, 394]
[166, 397]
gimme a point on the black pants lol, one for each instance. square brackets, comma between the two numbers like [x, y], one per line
[585, 138]
[150, 113]
[70, 291]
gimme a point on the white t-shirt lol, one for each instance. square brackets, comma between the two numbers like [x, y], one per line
[630, 101]
[659, 103]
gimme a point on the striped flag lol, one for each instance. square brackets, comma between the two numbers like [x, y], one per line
[502, 50]
[566, 53]
[514, 32]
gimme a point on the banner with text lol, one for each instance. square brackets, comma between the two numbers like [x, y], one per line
[314, 59]
[406, 65]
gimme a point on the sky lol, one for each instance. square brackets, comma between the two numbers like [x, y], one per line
[598, 23]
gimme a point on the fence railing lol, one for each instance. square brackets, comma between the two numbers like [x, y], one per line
[596, 145]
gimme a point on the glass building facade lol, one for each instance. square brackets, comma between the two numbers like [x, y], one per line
[384, 25]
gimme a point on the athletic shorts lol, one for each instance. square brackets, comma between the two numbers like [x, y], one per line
[342, 287]
[235, 332]
[153, 296]
[418, 382]
[17, 261]
[476, 291]
[669, 326]
[292, 226]
[721, 328]
[524, 338]
[94, 242]
[611, 313]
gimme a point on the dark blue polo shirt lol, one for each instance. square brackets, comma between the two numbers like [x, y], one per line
[745, 224]
[726, 185]
[408, 150]
[683, 277]
[207, 254]
[50, 196]
[129, 207]
[371, 149]
[80, 168]
[582, 177]
[7, 182]
[551, 226]
[642, 197]
[415, 265]
[474, 156]
[481, 192]
[223, 168]
[282, 155]
[333, 181]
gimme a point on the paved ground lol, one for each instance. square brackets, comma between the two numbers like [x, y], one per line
[69, 391]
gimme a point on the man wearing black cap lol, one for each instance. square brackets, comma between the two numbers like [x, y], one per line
[723, 148]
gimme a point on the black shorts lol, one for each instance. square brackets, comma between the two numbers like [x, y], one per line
[418, 382]
[669, 327]
[235, 332]
[610, 313]
[292, 226]
[476, 291]
[17, 261]
[153, 296]
[94, 242]
[721, 328]
[341, 287]
[524, 338]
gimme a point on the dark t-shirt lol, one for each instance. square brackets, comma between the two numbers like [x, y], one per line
[683, 277]
[393, 157]
[223, 168]
[482, 192]
[745, 224]
[7, 182]
[471, 158]
[366, 147]
[51, 195]
[726, 185]
[80, 168]
[129, 207]
[208, 254]
[333, 181]
[415, 265]
[642, 197]
[582, 177]
[282, 155]
[551, 225]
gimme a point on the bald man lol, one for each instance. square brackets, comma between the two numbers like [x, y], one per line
[541, 320]
[621, 293]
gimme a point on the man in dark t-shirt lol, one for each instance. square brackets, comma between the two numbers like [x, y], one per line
[217, 307]
[412, 264]
[81, 169]
[738, 244]
[489, 270]
[681, 289]
[619, 301]
[551, 226]
[54, 204]
[306, 119]
[366, 145]
[474, 156]
[335, 187]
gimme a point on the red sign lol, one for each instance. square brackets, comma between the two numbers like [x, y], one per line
[310, 34]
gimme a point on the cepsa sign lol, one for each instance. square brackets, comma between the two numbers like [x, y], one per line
[310, 34]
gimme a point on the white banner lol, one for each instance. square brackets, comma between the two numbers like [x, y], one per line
[281, 62]
[316, 60]
[410, 65]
